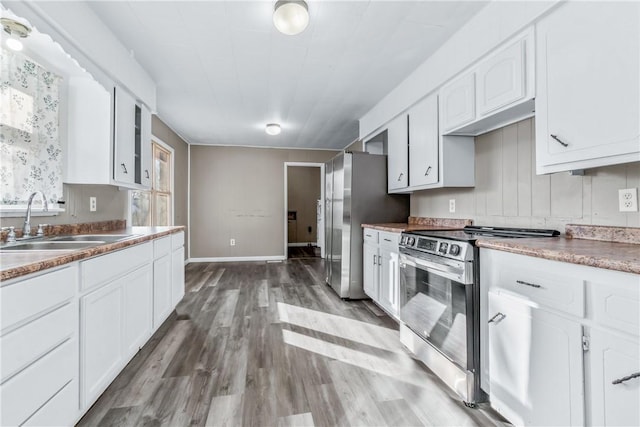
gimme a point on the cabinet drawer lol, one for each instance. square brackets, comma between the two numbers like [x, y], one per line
[615, 300]
[23, 299]
[22, 346]
[106, 267]
[161, 247]
[371, 235]
[389, 240]
[61, 410]
[534, 282]
[23, 394]
[177, 240]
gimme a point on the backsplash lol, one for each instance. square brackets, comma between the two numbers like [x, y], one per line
[509, 193]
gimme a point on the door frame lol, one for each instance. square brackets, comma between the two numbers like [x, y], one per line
[286, 202]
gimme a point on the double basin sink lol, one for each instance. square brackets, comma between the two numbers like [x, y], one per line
[64, 243]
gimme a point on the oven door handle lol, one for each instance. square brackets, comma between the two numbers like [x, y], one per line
[432, 267]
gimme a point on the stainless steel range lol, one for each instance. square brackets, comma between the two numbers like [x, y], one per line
[440, 301]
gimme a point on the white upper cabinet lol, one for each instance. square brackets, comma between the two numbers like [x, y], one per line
[588, 101]
[124, 135]
[497, 91]
[458, 102]
[423, 142]
[398, 154]
[501, 79]
[145, 141]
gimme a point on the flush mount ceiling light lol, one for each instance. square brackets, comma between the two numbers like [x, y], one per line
[273, 129]
[16, 31]
[291, 17]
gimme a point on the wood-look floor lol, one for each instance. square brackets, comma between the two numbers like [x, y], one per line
[269, 344]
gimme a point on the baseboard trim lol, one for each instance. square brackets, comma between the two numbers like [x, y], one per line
[239, 259]
[303, 244]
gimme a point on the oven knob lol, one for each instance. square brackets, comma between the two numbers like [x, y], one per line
[411, 241]
[454, 249]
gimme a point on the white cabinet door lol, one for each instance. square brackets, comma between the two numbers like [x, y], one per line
[588, 90]
[535, 359]
[101, 329]
[370, 272]
[501, 79]
[138, 308]
[124, 134]
[398, 154]
[146, 147]
[618, 358]
[423, 142]
[161, 290]
[177, 276]
[388, 295]
[457, 100]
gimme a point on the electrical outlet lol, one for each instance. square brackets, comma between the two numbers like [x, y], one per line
[628, 200]
[232, 242]
[93, 204]
[452, 205]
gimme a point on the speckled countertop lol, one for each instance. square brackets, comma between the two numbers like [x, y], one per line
[420, 223]
[612, 248]
[17, 264]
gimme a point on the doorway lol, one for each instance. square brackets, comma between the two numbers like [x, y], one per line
[303, 210]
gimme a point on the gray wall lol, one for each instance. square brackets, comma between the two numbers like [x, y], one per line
[303, 192]
[239, 193]
[111, 204]
[181, 172]
[508, 192]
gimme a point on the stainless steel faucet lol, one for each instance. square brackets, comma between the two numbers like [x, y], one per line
[26, 229]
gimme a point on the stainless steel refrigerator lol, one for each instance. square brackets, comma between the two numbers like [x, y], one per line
[355, 194]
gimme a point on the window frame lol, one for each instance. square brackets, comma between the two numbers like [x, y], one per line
[150, 190]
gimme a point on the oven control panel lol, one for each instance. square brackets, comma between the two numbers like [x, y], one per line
[462, 251]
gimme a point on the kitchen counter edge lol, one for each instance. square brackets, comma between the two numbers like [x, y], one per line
[616, 256]
[40, 263]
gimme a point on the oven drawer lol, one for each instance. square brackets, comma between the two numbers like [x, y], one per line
[371, 235]
[542, 282]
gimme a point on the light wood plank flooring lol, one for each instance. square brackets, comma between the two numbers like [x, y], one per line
[269, 344]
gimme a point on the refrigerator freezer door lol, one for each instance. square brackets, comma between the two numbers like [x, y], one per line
[337, 224]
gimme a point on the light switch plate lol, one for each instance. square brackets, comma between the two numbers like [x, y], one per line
[628, 200]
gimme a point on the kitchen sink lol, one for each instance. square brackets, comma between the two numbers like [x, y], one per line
[49, 245]
[103, 238]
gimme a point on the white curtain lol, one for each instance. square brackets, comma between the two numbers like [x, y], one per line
[30, 151]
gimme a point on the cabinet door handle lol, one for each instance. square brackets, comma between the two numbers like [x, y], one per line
[564, 144]
[400, 176]
[627, 378]
[374, 260]
[522, 282]
[427, 171]
[379, 261]
[497, 318]
[124, 168]
[387, 240]
[146, 173]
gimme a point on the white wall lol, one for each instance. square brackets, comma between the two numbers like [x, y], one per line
[494, 24]
[508, 192]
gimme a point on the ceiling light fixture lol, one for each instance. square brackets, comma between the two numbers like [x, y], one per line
[291, 17]
[273, 129]
[16, 31]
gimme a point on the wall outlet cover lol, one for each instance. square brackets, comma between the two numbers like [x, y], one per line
[452, 205]
[232, 242]
[628, 200]
[93, 204]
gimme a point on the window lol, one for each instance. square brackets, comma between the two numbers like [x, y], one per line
[155, 207]
[30, 151]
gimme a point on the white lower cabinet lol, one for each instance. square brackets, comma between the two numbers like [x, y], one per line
[615, 391]
[177, 274]
[161, 289]
[138, 309]
[380, 268]
[536, 364]
[102, 315]
[560, 342]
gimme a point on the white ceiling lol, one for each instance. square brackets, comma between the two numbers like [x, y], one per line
[223, 71]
